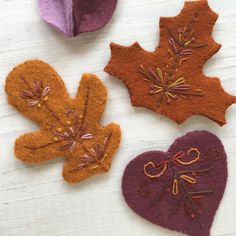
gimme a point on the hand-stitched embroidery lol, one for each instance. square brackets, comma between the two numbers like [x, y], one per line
[170, 81]
[181, 182]
[68, 127]
[167, 84]
[179, 189]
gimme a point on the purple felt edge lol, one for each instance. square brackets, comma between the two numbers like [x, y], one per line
[58, 14]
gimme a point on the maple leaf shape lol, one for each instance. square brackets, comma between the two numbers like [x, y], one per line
[69, 127]
[170, 80]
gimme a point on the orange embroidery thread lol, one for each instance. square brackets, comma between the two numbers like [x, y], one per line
[174, 159]
[192, 161]
[175, 187]
[163, 166]
[155, 167]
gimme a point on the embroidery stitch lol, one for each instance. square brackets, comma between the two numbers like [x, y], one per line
[181, 182]
[176, 159]
[185, 44]
[166, 85]
[68, 127]
[37, 95]
[69, 135]
[160, 86]
[95, 156]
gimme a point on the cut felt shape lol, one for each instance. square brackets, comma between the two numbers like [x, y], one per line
[69, 127]
[182, 188]
[170, 80]
[73, 17]
[59, 14]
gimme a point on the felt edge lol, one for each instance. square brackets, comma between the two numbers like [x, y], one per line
[67, 33]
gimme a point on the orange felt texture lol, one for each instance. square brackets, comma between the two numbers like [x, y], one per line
[69, 127]
[170, 80]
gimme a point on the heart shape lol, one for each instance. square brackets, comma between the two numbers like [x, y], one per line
[182, 188]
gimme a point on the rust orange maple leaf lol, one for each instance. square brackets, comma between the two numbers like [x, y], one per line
[170, 80]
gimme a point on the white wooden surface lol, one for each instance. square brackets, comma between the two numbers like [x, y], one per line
[35, 200]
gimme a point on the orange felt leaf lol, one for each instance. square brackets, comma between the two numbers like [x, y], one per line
[170, 80]
[69, 127]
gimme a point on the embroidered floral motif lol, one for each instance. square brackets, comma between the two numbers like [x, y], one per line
[71, 134]
[166, 84]
[170, 90]
[67, 134]
[180, 189]
[36, 96]
[181, 182]
[95, 156]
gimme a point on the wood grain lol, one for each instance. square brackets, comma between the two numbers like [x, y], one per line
[34, 200]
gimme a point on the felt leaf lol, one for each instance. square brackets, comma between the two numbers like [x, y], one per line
[182, 188]
[73, 17]
[170, 80]
[69, 127]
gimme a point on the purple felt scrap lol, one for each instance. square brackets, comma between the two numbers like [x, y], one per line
[73, 17]
[180, 189]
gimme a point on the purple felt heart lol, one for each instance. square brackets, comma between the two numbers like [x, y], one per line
[182, 188]
[73, 17]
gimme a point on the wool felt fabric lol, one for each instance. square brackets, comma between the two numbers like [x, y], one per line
[182, 188]
[69, 127]
[73, 17]
[170, 80]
